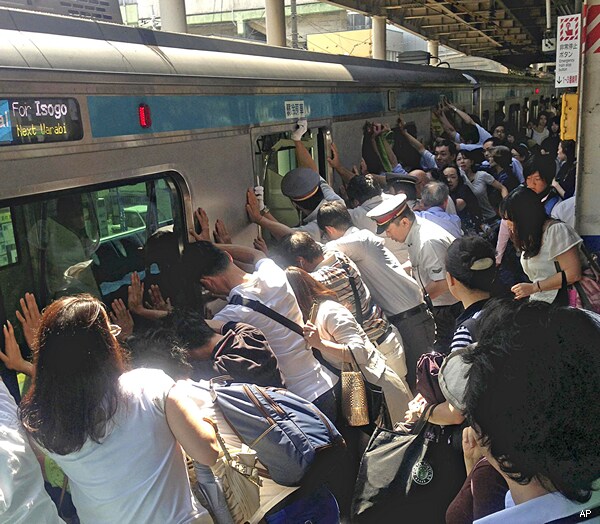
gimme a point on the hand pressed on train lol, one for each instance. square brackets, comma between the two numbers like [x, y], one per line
[202, 218]
[121, 317]
[523, 290]
[135, 294]
[260, 244]
[157, 301]
[221, 233]
[11, 357]
[252, 207]
[334, 161]
[30, 318]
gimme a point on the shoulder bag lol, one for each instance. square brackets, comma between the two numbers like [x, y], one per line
[355, 409]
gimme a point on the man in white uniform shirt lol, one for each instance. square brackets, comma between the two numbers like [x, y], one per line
[214, 268]
[398, 294]
[427, 245]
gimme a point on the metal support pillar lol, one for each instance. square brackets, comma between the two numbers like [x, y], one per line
[378, 37]
[172, 16]
[588, 154]
[275, 20]
[433, 48]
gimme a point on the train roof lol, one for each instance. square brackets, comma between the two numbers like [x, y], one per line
[30, 40]
[488, 77]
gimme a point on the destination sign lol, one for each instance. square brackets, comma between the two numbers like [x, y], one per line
[39, 120]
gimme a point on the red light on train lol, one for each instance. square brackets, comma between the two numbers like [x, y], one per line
[144, 116]
[537, 90]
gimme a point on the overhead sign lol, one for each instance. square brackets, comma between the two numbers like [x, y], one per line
[39, 120]
[568, 52]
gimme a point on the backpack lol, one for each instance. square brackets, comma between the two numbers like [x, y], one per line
[289, 434]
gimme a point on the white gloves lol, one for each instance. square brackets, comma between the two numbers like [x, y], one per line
[302, 126]
[259, 191]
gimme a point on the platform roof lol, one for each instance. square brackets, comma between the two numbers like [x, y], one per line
[508, 31]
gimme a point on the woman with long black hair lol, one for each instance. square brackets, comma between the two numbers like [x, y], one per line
[465, 201]
[564, 182]
[542, 243]
[115, 434]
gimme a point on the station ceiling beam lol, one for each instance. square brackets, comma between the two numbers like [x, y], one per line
[512, 30]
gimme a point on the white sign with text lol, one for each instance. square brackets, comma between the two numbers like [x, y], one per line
[568, 51]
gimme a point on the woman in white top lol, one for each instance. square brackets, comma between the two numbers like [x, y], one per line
[542, 242]
[115, 434]
[539, 132]
[479, 181]
[331, 329]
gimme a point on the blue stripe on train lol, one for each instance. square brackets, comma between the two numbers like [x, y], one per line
[118, 115]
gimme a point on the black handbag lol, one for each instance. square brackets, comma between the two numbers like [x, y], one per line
[411, 473]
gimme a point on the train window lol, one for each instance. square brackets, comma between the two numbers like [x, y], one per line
[278, 156]
[8, 243]
[84, 241]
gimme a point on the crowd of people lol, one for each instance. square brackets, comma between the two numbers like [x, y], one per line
[464, 252]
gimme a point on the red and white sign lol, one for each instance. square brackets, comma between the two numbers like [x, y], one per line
[568, 51]
[592, 29]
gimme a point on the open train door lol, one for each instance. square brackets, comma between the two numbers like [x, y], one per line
[275, 156]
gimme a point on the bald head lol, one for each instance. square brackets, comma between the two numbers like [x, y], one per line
[423, 179]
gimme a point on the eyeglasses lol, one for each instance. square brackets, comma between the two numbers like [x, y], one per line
[115, 330]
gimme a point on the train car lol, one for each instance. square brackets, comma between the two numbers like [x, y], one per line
[108, 133]
[510, 98]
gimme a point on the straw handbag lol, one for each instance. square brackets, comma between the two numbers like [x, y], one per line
[355, 408]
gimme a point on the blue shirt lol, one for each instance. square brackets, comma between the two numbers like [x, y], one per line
[450, 223]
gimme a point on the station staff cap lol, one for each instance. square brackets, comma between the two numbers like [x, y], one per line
[387, 211]
[300, 183]
[406, 184]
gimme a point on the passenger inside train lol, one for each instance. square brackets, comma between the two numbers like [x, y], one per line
[416, 345]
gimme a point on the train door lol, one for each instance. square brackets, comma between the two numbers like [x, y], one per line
[276, 156]
[525, 114]
[499, 112]
[514, 117]
[85, 240]
[535, 109]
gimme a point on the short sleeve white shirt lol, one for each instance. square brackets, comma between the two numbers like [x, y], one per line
[336, 323]
[427, 245]
[23, 499]
[558, 239]
[137, 473]
[389, 284]
[302, 372]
